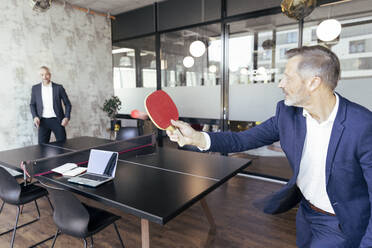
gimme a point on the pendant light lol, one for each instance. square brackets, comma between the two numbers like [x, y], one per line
[197, 48]
[188, 61]
[328, 30]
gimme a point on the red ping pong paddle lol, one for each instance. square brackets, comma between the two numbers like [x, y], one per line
[161, 110]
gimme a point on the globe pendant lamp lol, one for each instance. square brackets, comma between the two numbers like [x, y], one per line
[212, 69]
[328, 30]
[188, 61]
[197, 48]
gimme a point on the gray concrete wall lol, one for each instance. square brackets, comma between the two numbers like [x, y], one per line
[77, 48]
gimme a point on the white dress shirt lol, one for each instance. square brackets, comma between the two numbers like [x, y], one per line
[207, 142]
[311, 178]
[47, 97]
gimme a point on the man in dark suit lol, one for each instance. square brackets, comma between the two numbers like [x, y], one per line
[328, 142]
[46, 108]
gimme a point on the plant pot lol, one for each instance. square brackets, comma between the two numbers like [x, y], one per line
[116, 123]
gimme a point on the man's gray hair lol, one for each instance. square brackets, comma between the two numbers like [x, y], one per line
[319, 61]
[45, 68]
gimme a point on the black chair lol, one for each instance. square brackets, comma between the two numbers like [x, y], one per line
[78, 219]
[125, 133]
[13, 193]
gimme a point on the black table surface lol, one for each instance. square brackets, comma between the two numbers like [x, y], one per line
[157, 185]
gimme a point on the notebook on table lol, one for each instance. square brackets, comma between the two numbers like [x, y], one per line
[101, 169]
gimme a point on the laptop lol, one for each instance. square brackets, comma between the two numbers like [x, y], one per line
[101, 169]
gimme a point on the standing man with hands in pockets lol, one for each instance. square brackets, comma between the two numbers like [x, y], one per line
[46, 108]
[328, 142]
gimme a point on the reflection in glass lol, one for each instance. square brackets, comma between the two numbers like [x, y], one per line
[134, 64]
[353, 46]
[124, 71]
[192, 56]
[256, 49]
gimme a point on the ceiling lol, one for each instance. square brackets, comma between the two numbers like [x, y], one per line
[114, 7]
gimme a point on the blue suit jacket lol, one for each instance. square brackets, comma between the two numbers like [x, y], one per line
[348, 163]
[59, 94]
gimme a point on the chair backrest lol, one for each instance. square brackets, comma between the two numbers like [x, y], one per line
[125, 133]
[10, 190]
[70, 216]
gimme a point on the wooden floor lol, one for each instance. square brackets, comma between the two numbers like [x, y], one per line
[239, 224]
[274, 167]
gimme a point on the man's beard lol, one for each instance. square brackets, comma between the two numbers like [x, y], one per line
[290, 102]
[296, 101]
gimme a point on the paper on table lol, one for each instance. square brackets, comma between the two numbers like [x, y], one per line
[74, 172]
[64, 168]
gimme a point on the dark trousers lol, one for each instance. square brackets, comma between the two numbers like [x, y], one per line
[318, 230]
[48, 125]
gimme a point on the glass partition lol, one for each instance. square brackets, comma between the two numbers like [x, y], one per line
[256, 63]
[353, 46]
[134, 71]
[124, 68]
[257, 57]
[191, 70]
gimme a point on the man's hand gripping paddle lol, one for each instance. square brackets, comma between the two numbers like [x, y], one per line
[161, 110]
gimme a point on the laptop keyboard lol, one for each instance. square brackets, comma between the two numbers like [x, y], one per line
[93, 177]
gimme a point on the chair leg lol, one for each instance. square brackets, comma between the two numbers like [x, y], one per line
[15, 227]
[92, 243]
[117, 232]
[22, 209]
[85, 243]
[2, 206]
[38, 211]
[51, 205]
[25, 224]
[55, 238]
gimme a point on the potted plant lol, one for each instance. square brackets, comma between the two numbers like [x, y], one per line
[111, 106]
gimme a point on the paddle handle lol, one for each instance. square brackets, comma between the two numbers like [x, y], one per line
[181, 139]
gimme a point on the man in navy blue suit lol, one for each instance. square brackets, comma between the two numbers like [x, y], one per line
[328, 142]
[46, 108]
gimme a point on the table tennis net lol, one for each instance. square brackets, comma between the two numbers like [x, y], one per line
[125, 148]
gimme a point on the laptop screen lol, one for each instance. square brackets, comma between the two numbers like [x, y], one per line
[102, 162]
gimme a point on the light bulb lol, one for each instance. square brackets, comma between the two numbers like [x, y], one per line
[233, 67]
[244, 71]
[188, 61]
[197, 48]
[125, 61]
[261, 70]
[212, 68]
[328, 30]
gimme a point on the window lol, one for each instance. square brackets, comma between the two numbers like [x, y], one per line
[357, 46]
[124, 68]
[292, 37]
[282, 53]
[134, 63]
[181, 63]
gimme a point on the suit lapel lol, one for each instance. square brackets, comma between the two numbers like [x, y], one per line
[38, 93]
[336, 134]
[300, 134]
[54, 91]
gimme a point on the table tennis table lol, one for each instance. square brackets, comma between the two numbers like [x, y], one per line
[153, 183]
